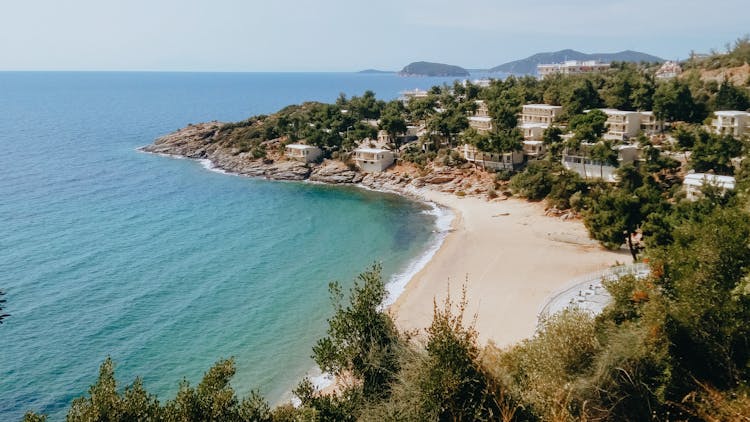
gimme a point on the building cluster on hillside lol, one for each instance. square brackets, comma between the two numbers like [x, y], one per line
[571, 67]
[622, 128]
[668, 70]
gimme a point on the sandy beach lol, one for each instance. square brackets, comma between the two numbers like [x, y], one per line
[512, 258]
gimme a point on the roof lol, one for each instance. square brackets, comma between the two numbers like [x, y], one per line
[533, 142]
[697, 179]
[301, 146]
[544, 106]
[480, 118]
[534, 125]
[614, 111]
[731, 113]
[372, 150]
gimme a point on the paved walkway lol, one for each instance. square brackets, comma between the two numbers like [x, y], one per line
[587, 292]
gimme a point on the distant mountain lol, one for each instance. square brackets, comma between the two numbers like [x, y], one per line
[432, 69]
[527, 66]
[376, 71]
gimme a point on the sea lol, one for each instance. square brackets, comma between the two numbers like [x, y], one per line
[163, 264]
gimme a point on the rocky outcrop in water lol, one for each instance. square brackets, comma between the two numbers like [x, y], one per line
[199, 141]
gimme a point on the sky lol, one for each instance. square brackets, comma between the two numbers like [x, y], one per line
[348, 35]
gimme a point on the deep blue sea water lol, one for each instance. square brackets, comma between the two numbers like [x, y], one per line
[160, 263]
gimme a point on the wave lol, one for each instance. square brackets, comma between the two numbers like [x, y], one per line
[397, 283]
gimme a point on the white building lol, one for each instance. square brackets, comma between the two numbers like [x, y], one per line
[650, 125]
[621, 125]
[493, 160]
[304, 153]
[668, 70]
[539, 113]
[694, 183]
[480, 123]
[571, 67]
[533, 150]
[481, 120]
[582, 163]
[415, 93]
[482, 109]
[731, 122]
[373, 160]
[533, 131]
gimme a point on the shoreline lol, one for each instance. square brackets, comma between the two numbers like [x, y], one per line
[398, 283]
[481, 237]
[512, 259]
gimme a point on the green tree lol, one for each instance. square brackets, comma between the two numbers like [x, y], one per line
[582, 96]
[362, 339]
[587, 129]
[453, 384]
[673, 101]
[392, 120]
[603, 153]
[703, 276]
[552, 139]
[104, 403]
[366, 107]
[616, 215]
[731, 97]
[712, 152]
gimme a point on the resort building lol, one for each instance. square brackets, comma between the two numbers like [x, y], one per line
[533, 150]
[571, 67]
[304, 153]
[533, 131]
[580, 161]
[409, 94]
[481, 120]
[480, 123]
[650, 125]
[694, 183]
[668, 70]
[492, 160]
[539, 113]
[621, 125]
[731, 122]
[482, 109]
[373, 160]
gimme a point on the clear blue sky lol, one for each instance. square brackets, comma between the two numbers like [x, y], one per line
[344, 35]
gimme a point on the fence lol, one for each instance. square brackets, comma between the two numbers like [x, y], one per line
[587, 291]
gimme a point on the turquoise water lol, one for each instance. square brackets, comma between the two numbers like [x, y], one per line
[158, 262]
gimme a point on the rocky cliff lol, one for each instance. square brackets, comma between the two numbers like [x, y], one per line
[198, 142]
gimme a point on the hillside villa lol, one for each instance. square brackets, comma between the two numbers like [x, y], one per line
[539, 113]
[373, 160]
[731, 122]
[304, 153]
[580, 162]
[571, 67]
[492, 160]
[668, 70]
[694, 183]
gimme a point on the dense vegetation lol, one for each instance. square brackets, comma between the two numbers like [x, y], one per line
[674, 345]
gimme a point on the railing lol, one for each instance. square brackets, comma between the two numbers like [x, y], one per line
[590, 285]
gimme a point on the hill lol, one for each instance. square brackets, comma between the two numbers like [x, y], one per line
[528, 65]
[432, 69]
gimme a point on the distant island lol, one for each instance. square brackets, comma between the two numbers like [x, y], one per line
[432, 69]
[528, 65]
